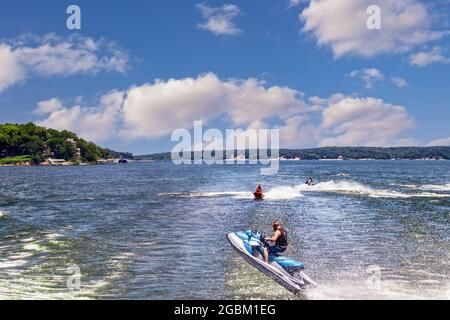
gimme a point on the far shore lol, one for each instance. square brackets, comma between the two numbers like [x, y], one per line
[64, 163]
[116, 161]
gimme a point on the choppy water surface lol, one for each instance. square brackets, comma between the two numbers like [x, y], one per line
[157, 231]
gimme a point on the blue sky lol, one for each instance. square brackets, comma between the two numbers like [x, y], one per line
[323, 77]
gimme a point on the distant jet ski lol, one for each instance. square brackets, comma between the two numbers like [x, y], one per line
[343, 174]
[285, 271]
[258, 195]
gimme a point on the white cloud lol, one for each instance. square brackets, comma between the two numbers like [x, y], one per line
[155, 110]
[440, 142]
[341, 25]
[299, 131]
[248, 101]
[93, 123]
[399, 82]
[11, 70]
[316, 103]
[248, 136]
[48, 106]
[294, 3]
[152, 111]
[219, 20]
[363, 122]
[369, 76]
[51, 55]
[349, 121]
[424, 58]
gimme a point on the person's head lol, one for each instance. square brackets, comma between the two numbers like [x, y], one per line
[259, 186]
[276, 225]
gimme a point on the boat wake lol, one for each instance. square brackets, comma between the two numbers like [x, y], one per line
[276, 193]
[236, 194]
[346, 187]
[390, 289]
[30, 257]
[283, 193]
[355, 188]
[445, 187]
[427, 187]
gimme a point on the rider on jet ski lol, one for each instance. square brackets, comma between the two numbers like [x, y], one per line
[280, 240]
[258, 193]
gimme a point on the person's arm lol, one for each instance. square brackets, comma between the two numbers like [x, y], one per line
[275, 236]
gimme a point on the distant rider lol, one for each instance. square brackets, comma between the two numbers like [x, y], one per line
[259, 189]
[309, 182]
[279, 240]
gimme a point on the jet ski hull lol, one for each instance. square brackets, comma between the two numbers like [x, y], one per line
[258, 195]
[276, 269]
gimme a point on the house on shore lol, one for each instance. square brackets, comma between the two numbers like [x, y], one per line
[57, 162]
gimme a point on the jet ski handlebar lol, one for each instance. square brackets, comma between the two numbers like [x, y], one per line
[257, 239]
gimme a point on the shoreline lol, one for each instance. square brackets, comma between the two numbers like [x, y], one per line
[69, 164]
[145, 161]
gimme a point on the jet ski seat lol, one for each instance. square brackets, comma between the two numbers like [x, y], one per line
[286, 263]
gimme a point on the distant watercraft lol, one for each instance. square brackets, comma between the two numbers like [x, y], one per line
[259, 195]
[343, 174]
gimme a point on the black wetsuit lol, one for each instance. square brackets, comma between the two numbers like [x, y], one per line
[281, 243]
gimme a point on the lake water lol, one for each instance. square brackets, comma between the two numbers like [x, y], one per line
[157, 231]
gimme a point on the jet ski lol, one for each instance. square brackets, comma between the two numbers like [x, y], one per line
[343, 174]
[258, 195]
[285, 271]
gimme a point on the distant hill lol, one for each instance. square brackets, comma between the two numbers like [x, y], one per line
[31, 143]
[357, 153]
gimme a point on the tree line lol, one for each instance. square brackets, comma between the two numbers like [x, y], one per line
[357, 153]
[41, 143]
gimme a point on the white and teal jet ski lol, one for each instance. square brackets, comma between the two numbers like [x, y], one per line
[287, 272]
